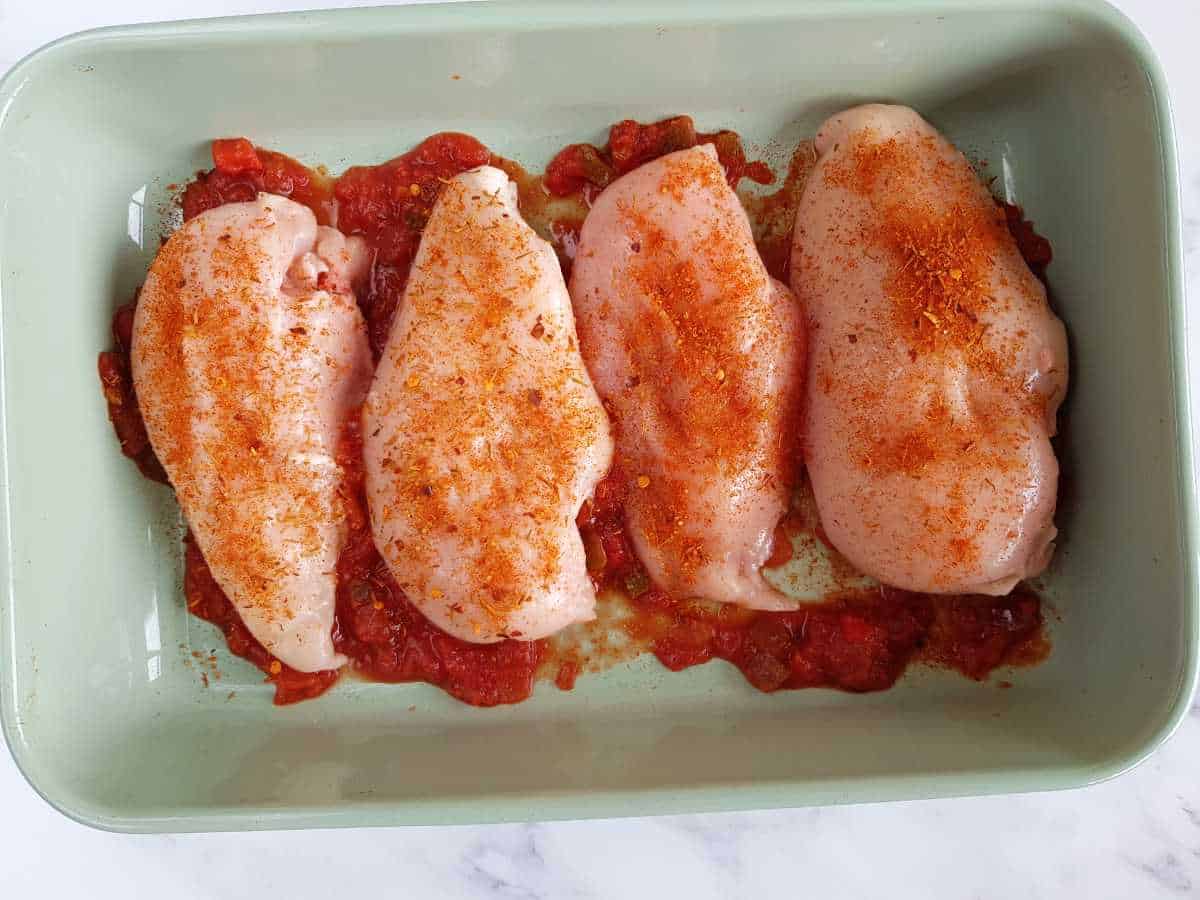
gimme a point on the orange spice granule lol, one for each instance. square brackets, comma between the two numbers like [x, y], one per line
[870, 161]
[941, 284]
[688, 175]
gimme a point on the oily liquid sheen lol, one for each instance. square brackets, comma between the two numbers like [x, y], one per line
[855, 640]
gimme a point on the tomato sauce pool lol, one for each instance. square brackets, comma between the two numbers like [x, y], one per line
[856, 641]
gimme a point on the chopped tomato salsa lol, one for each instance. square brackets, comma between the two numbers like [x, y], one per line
[123, 411]
[1034, 248]
[389, 205]
[242, 170]
[385, 636]
[235, 156]
[207, 601]
[854, 641]
[588, 169]
[388, 639]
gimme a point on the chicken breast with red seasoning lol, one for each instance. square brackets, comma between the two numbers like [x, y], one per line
[249, 352]
[482, 433]
[699, 357]
[936, 366]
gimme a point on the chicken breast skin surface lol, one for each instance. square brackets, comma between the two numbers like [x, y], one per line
[482, 433]
[698, 355]
[936, 367]
[248, 355]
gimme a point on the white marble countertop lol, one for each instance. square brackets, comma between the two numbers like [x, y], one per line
[1135, 837]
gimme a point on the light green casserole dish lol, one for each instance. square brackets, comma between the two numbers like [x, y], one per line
[101, 708]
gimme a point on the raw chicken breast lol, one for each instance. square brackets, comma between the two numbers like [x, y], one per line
[248, 355]
[936, 367]
[699, 357]
[482, 433]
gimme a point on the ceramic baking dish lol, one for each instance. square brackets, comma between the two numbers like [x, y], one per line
[103, 704]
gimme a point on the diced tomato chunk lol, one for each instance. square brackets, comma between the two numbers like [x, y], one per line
[235, 156]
